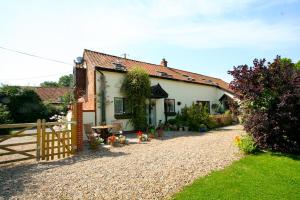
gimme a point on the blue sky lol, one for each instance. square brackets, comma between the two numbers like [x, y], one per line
[207, 37]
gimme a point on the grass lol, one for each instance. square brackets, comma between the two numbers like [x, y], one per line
[262, 176]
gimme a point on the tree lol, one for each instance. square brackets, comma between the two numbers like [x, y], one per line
[23, 104]
[66, 81]
[270, 103]
[136, 87]
[49, 84]
[297, 65]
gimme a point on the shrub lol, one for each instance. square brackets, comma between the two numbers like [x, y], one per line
[136, 86]
[197, 115]
[172, 121]
[246, 144]
[271, 103]
[5, 118]
[23, 103]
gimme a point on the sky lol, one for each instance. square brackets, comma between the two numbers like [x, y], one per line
[204, 36]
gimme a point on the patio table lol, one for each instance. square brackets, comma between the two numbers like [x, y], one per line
[103, 130]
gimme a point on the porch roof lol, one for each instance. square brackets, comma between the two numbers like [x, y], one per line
[157, 92]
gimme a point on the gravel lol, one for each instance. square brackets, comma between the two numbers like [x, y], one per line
[152, 170]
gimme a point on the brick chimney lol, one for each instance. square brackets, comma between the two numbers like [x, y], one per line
[164, 63]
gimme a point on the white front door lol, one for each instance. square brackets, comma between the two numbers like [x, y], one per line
[152, 113]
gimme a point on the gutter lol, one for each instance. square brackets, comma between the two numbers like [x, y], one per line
[102, 96]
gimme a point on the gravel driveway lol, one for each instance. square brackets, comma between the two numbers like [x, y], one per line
[154, 170]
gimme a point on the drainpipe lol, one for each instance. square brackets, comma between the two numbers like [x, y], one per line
[102, 97]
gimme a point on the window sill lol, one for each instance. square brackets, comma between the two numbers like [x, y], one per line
[122, 116]
[170, 113]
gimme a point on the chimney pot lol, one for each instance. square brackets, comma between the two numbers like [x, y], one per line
[164, 62]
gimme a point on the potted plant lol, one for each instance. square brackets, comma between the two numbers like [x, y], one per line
[112, 140]
[152, 132]
[95, 142]
[202, 128]
[121, 139]
[185, 126]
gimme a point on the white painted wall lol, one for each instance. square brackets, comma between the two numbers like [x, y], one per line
[87, 117]
[186, 93]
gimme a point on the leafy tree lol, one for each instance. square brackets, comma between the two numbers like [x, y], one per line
[66, 81]
[270, 103]
[136, 87]
[23, 103]
[297, 65]
[49, 84]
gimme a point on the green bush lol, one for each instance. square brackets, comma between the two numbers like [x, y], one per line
[136, 87]
[246, 144]
[197, 115]
[172, 121]
[23, 103]
[5, 118]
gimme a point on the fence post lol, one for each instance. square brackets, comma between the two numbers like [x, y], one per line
[38, 140]
[74, 129]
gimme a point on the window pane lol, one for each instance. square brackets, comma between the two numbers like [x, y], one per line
[118, 105]
[127, 106]
[170, 105]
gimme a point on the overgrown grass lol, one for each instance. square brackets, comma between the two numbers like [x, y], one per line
[262, 176]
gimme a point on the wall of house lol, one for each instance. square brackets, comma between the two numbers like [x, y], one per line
[87, 117]
[183, 92]
[89, 97]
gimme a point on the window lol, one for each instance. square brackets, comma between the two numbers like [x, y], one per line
[122, 106]
[204, 103]
[169, 106]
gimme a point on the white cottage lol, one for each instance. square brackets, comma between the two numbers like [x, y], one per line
[99, 76]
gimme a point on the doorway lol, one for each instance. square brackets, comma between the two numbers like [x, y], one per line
[152, 113]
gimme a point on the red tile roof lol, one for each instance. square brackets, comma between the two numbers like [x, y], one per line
[106, 61]
[52, 94]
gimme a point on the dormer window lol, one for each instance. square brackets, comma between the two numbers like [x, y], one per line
[119, 66]
[164, 74]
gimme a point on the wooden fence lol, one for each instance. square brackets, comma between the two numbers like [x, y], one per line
[47, 141]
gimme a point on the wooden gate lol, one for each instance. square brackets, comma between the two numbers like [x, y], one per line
[42, 140]
[55, 140]
[18, 146]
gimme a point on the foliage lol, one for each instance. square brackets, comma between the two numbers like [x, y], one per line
[49, 84]
[197, 114]
[262, 176]
[270, 103]
[136, 87]
[5, 118]
[67, 99]
[66, 81]
[95, 142]
[218, 108]
[23, 103]
[245, 143]
[216, 121]
[297, 65]
[172, 121]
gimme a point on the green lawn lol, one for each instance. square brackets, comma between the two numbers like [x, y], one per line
[264, 176]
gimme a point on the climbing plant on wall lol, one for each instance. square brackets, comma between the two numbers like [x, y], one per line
[136, 87]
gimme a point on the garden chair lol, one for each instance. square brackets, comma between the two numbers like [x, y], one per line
[89, 132]
[117, 128]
